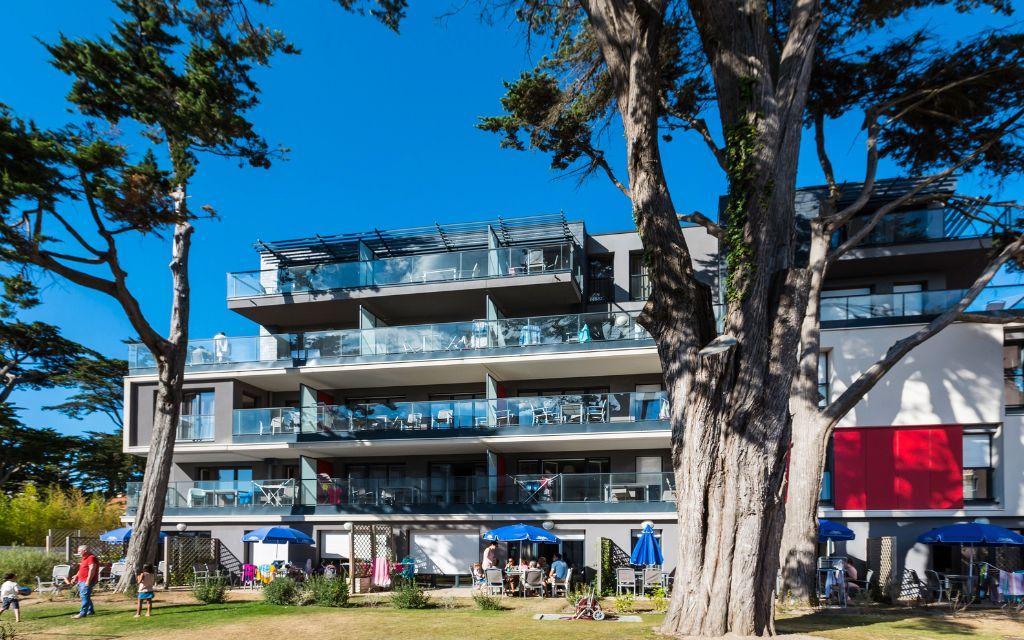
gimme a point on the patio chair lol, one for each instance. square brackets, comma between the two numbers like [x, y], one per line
[557, 584]
[533, 580]
[446, 417]
[57, 576]
[117, 570]
[503, 417]
[937, 585]
[596, 412]
[543, 415]
[653, 578]
[625, 580]
[196, 497]
[495, 582]
[200, 572]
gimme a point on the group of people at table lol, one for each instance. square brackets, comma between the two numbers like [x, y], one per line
[514, 569]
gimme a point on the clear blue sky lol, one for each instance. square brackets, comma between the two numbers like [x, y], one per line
[381, 132]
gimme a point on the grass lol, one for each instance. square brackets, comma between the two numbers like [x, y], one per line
[179, 617]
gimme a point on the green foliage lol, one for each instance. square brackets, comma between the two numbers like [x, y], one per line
[281, 591]
[327, 592]
[8, 631]
[659, 600]
[26, 564]
[213, 591]
[625, 603]
[26, 516]
[607, 569]
[741, 147]
[485, 602]
[409, 595]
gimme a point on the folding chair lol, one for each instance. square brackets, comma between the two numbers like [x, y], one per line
[495, 582]
[533, 580]
[625, 580]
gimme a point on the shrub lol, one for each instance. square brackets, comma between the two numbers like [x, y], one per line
[213, 591]
[409, 596]
[327, 592]
[485, 602]
[282, 591]
[7, 631]
[577, 592]
[625, 603]
[448, 602]
[26, 516]
[659, 600]
[27, 564]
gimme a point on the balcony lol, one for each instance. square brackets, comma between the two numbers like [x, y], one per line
[394, 286]
[893, 308]
[195, 428]
[593, 492]
[502, 416]
[416, 342]
[922, 225]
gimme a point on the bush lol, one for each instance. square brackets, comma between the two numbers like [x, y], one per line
[659, 600]
[282, 591]
[409, 596]
[26, 564]
[26, 516]
[625, 603]
[213, 591]
[7, 631]
[327, 592]
[485, 602]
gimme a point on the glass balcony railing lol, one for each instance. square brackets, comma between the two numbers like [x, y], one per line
[923, 225]
[331, 346]
[436, 415]
[235, 494]
[473, 264]
[195, 428]
[917, 303]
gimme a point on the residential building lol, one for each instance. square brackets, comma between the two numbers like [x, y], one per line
[441, 381]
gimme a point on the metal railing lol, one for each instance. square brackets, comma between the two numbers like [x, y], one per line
[437, 415]
[412, 340]
[234, 494]
[918, 303]
[922, 225]
[195, 428]
[472, 264]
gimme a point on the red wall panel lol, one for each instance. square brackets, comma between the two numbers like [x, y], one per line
[946, 473]
[879, 468]
[848, 454]
[912, 453]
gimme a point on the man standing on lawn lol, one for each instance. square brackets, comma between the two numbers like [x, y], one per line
[87, 576]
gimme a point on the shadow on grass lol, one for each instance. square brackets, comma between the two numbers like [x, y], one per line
[909, 620]
[157, 610]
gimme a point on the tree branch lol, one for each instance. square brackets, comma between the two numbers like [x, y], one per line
[709, 225]
[701, 126]
[597, 160]
[867, 380]
[823, 159]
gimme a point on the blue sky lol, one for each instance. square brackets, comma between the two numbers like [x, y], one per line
[381, 132]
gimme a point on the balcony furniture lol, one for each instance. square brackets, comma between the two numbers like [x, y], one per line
[529, 335]
[225, 497]
[495, 582]
[450, 273]
[458, 343]
[59, 573]
[543, 415]
[412, 421]
[536, 489]
[446, 417]
[572, 413]
[937, 584]
[557, 584]
[399, 495]
[196, 497]
[597, 412]
[626, 492]
[481, 334]
[625, 580]
[533, 581]
[274, 494]
[502, 418]
[244, 498]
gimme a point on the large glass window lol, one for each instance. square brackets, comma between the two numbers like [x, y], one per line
[827, 490]
[601, 280]
[824, 377]
[639, 282]
[196, 420]
[978, 468]
[1013, 373]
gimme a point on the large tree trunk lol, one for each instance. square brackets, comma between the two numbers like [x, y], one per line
[142, 547]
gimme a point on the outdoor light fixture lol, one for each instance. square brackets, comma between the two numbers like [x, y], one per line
[720, 344]
[348, 526]
[548, 525]
[181, 526]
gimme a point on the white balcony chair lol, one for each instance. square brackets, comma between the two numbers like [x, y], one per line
[412, 421]
[446, 417]
[543, 415]
[197, 497]
[625, 580]
[596, 412]
[503, 417]
[59, 573]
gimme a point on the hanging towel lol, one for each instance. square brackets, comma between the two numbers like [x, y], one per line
[1016, 584]
[381, 573]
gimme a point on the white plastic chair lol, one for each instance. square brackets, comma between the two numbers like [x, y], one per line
[557, 584]
[533, 580]
[625, 579]
[59, 573]
[495, 582]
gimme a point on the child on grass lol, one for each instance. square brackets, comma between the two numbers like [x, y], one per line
[146, 580]
[10, 593]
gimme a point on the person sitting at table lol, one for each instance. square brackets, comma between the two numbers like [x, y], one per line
[542, 564]
[511, 564]
[511, 574]
[523, 564]
[533, 565]
[852, 588]
[559, 569]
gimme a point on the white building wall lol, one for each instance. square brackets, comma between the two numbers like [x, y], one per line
[954, 378]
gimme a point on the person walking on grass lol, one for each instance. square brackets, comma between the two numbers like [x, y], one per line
[10, 592]
[146, 580]
[87, 576]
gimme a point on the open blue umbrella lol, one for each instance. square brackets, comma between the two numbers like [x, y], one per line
[277, 535]
[647, 551]
[121, 535]
[828, 530]
[972, 533]
[520, 533]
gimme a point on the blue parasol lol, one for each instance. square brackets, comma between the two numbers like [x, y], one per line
[277, 535]
[647, 551]
[520, 533]
[121, 535]
[828, 530]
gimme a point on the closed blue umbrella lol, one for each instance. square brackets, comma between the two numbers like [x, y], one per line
[121, 535]
[520, 533]
[647, 551]
[278, 535]
[828, 530]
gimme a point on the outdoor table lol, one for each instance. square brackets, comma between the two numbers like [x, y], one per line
[966, 583]
[838, 584]
[223, 496]
[632, 489]
[275, 493]
[410, 494]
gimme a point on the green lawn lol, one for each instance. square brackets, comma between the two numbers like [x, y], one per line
[181, 619]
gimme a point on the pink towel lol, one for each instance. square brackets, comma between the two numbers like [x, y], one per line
[381, 575]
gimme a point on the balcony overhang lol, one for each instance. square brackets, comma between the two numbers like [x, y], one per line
[444, 301]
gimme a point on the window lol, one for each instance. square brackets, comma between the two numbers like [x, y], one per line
[600, 283]
[196, 420]
[227, 477]
[1013, 374]
[978, 470]
[824, 376]
[845, 304]
[908, 299]
[825, 497]
[639, 282]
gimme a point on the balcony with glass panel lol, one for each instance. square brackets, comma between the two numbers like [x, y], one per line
[540, 415]
[913, 306]
[224, 496]
[537, 334]
[920, 225]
